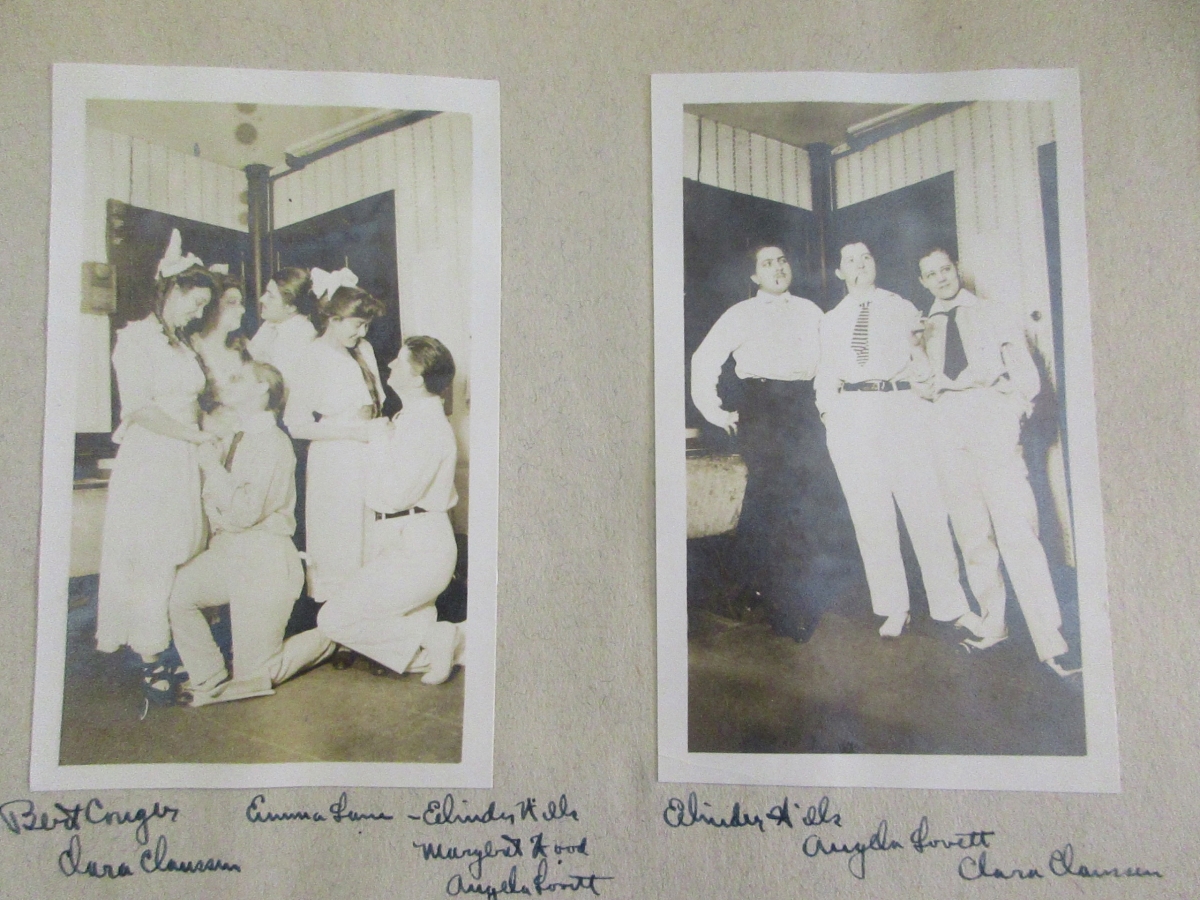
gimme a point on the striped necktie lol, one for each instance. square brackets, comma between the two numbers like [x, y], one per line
[858, 340]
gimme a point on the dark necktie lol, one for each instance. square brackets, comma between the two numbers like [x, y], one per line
[956, 356]
[858, 339]
[376, 400]
[233, 445]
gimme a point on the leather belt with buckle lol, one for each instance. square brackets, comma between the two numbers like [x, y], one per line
[876, 385]
[379, 517]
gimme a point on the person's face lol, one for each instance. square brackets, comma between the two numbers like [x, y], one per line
[857, 267]
[348, 331]
[233, 307]
[404, 376]
[940, 276]
[272, 305]
[243, 392]
[185, 304]
[772, 272]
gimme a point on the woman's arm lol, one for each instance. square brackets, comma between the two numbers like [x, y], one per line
[330, 431]
[152, 418]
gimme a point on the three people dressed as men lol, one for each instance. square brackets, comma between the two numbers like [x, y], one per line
[920, 415]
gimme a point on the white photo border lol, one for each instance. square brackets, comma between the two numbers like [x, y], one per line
[75, 84]
[1099, 770]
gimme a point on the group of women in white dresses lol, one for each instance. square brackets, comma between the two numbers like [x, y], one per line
[170, 367]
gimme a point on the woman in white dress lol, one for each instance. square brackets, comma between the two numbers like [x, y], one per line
[154, 521]
[220, 345]
[335, 391]
[285, 306]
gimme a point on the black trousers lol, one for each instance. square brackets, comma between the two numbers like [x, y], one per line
[782, 441]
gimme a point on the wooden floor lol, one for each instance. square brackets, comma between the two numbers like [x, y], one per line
[320, 716]
[846, 690]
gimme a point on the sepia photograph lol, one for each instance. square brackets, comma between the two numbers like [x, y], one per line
[879, 541]
[269, 493]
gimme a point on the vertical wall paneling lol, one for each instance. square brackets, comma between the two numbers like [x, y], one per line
[748, 163]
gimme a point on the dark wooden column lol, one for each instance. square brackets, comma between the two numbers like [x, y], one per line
[820, 167]
[258, 220]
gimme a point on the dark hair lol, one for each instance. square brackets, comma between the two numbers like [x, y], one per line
[295, 287]
[758, 246]
[195, 277]
[346, 303]
[211, 313]
[267, 374]
[845, 242]
[932, 249]
[434, 360]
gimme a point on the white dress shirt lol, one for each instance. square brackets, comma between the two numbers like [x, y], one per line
[413, 465]
[891, 324]
[773, 336]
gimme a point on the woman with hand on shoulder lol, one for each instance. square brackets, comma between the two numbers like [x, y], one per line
[335, 391]
[153, 520]
[286, 307]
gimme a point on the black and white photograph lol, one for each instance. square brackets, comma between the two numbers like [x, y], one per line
[269, 489]
[880, 552]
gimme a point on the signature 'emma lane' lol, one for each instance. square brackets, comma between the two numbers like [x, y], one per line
[72, 862]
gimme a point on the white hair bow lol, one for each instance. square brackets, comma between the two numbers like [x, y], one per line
[173, 261]
[325, 283]
[219, 268]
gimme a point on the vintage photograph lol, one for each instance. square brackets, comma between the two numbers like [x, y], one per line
[879, 537]
[272, 361]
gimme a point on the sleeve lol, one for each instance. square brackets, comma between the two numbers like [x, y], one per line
[1018, 362]
[707, 361]
[825, 382]
[255, 489]
[133, 360]
[302, 391]
[400, 468]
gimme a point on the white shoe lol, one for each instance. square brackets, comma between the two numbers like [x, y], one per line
[984, 643]
[895, 625]
[441, 640]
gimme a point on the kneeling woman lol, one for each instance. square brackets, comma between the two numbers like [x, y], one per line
[386, 612]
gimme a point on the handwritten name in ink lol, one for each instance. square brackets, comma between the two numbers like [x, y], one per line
[1061, 864]
[73, 862]
[686, 814]
[23, 817]
[259, 813]
[537, 863]
[453, 811]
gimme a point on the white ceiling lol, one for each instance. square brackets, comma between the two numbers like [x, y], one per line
[798, 124]
[211, 130]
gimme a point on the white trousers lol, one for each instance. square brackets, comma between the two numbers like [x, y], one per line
[880, 449]
[259, 575]
[385, 610]
[994, 514]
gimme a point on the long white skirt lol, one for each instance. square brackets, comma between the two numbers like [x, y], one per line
[153, 523]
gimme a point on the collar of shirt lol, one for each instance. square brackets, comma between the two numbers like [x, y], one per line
[962, 298]
[769, 298]
[421, 406]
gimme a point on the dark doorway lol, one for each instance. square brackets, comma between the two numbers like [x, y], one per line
[898, 226]
[361, 235]
[137, 239]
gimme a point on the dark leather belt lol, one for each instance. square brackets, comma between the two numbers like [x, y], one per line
[379, 517]
[877, 385]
